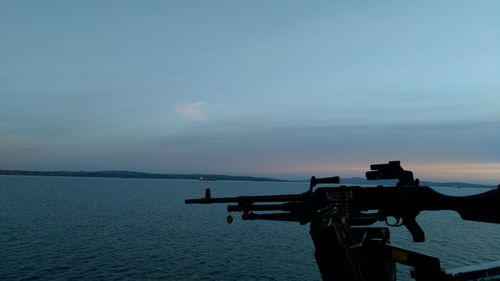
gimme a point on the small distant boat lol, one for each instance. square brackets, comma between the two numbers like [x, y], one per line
[207, 178]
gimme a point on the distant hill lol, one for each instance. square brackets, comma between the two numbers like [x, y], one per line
[212, 177]
[135, 175]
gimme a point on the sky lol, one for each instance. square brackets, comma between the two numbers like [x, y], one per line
[287, 89]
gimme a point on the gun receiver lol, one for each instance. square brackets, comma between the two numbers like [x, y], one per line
[364, 205]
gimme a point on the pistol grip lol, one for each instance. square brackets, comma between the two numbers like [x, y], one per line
[415, 230]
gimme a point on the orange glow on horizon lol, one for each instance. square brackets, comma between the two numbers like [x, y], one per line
[460, 172]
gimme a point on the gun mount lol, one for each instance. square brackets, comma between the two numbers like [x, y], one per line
[345, 248]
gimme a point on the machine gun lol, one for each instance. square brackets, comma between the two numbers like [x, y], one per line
[345, 248]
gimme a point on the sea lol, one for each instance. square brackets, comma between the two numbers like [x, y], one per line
[64, 228]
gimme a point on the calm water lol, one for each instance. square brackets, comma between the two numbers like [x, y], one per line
[54, 228]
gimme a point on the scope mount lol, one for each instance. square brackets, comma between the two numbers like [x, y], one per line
[390, 171]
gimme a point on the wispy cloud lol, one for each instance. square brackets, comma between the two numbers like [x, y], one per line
[194, 111]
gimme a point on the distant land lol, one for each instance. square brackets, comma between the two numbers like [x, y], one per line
[212, 177]
[135, 175]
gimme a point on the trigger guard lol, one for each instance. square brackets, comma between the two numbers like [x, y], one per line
[399, 221]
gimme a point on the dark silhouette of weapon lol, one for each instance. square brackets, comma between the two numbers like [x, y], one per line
[345, 248]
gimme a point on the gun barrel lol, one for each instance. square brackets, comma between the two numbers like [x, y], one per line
[249, 199]
[286, 207]
[294, 217]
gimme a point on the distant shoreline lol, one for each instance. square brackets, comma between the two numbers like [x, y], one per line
[136, 175]
[212, 177]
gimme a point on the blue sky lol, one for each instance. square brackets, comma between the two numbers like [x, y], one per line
[274, 88]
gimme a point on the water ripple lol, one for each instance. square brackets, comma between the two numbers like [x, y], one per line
[112, 229]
